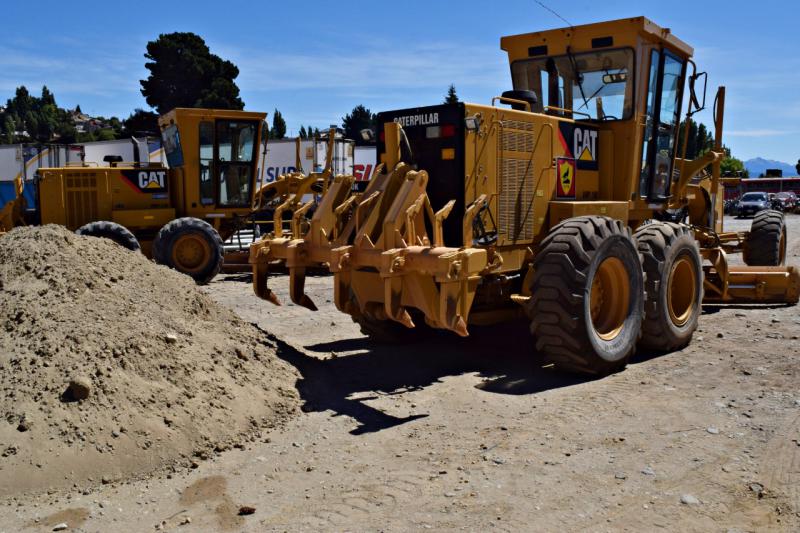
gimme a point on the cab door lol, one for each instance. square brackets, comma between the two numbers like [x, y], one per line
[664, 94]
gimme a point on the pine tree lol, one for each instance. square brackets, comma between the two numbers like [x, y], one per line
[47, 96]
[278, 130]
[184, 73]
[303, 134]
[452, 97]
[360, 118]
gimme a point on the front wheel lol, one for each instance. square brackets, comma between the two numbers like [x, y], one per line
[587, 295]
[191, 246]
[765, 245]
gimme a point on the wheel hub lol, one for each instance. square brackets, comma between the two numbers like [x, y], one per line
[610, 298]
[190, 253]
[681, 290]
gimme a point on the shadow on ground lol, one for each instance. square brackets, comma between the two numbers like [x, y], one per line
[502, 355]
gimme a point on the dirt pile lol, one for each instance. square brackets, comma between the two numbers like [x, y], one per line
[170, 375]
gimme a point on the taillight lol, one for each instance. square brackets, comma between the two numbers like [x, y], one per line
[382, 136]
[434, 132]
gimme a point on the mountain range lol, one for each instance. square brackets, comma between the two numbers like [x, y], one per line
[759, 165]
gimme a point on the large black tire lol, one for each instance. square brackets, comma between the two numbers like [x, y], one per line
[587, 295]
[112, 231]
[674, 285]
[191, 246]
[766, 243]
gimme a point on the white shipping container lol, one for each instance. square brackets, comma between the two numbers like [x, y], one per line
[365, 160]
[281, 157]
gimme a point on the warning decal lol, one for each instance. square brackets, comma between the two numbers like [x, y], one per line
[565, 182]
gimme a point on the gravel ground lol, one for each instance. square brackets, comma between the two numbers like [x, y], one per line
[472, 434]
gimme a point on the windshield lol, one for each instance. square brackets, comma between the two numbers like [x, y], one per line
[754, 197]
[593, 85]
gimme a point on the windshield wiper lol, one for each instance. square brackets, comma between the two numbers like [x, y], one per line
[577, 74]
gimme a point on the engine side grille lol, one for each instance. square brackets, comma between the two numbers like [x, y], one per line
[515, 210]
[515, 157]
[81, 199]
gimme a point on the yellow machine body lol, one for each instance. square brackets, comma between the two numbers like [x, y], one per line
[450, 226]
[213, 161]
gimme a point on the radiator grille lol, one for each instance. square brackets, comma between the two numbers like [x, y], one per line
[515, 210]
[515, 156]
[81, 199]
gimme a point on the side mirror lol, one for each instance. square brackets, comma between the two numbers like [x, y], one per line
[368, 135]
[696, 103]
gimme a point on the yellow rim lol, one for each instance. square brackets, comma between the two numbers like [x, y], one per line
[681, 290]
[190, 253]
[610, 298]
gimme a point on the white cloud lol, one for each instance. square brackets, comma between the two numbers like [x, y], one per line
[362, 72]
[759, 133]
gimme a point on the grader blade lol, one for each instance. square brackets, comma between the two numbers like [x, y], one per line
[726, 283]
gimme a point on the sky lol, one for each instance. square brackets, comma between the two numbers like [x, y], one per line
[315, 61]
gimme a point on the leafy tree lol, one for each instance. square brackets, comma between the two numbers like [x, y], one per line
[140, 122]
[40, 118]
[731, 165]
[278, 130]
[303, 134]
[105, 134]
[797, 167]
[360, 118]
[699, 140]
[184, 73]
[452, 97]
[8, 130]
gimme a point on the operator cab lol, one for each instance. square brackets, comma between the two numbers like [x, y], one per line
[218, 152]
[625, 77]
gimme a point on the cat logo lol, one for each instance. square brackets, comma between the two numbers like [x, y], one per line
[581, 143]
[565, 184]
[152, 179]
[146, 181]
[585, 144]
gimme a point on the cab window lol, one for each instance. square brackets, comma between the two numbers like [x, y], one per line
[591, 85]
[662, 122]
[206, 163]
[236, 152]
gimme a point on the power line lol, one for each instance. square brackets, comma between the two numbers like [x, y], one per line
[554, 13]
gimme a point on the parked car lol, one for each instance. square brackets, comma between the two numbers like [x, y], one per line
[753, 202]
[786, 201]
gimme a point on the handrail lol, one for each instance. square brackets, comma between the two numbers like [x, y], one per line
[508, 100]
[587, 115]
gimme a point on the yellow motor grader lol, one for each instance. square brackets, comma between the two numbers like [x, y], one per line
[567, 200]
[179, 215]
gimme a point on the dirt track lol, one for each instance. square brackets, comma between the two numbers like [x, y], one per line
[471, 434]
